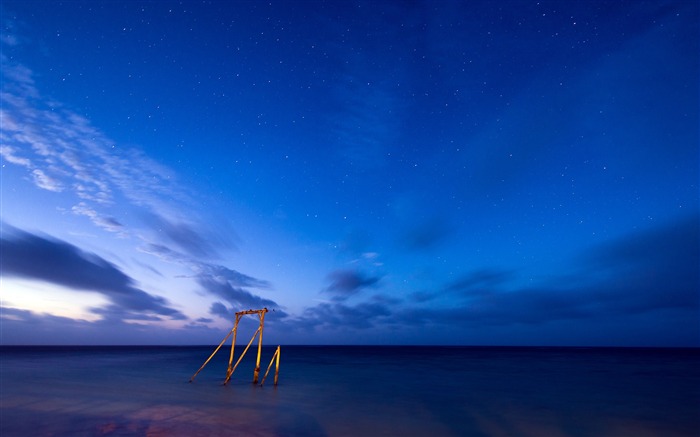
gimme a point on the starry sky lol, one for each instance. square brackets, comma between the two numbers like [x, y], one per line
[375, 172]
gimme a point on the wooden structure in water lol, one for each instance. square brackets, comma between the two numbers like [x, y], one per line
[258, 333]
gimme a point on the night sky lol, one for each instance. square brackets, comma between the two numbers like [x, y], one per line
[380, 172]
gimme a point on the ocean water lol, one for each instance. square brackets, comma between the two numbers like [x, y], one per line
[351, 391]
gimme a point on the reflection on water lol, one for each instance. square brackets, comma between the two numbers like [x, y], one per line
[349, 391]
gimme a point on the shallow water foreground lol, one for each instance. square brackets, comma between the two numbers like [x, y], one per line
[352, 391]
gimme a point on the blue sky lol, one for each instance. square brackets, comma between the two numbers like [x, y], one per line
[506, 173]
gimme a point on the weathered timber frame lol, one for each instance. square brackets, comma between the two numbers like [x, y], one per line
[258, 333]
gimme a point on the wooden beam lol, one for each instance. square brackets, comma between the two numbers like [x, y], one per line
[213, 353]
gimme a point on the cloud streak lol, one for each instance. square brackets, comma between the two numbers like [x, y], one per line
[186, 237]
[219, 281]
[340, 316]
[346, 283]
[62, 152]
[644, 275]
[107, 223]
[35, 257]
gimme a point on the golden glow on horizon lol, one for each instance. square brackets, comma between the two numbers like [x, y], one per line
[45, 298]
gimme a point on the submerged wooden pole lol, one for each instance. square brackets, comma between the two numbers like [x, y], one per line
[277, 365]
[256, 372]
[229, 370]
[213, 353]
[277, 368]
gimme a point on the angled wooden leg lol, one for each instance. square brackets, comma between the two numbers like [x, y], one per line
[241, 357]
[277, 366]
[212, 355]
[276, 354]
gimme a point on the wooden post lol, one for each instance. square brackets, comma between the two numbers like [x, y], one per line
[277, 366]
[256, 372]
[229, 370]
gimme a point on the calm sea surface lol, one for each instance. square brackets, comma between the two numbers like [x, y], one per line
[351, 391]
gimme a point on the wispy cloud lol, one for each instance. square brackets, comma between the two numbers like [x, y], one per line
[345, 283]
[107, 223]
[343, 317]
[479, 280]
[236, 296]
[219, 281]
[10, 155]
[233, 277]
[482, 282]
[194, 242]
[644, 273]
[43, 258]
[220, 310]
[46, 182]
[64, 153]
